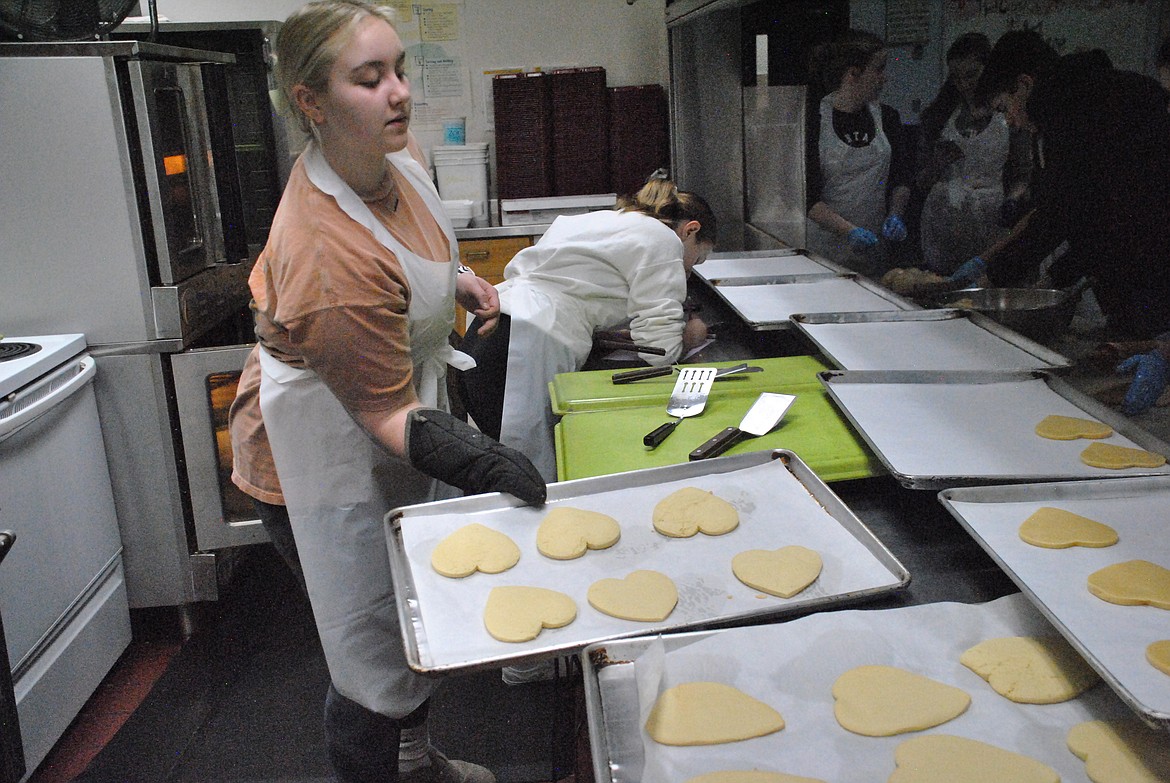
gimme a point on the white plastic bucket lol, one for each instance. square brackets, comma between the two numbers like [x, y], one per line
[461, 172]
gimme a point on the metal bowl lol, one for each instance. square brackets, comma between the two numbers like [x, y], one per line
[1038, 313]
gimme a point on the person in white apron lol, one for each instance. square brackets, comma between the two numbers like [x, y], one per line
[601, 270]
[858, 187]
[353, 321]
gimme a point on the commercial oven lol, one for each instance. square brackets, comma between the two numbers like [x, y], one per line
[123, 220]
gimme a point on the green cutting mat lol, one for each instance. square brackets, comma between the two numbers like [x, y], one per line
[596, 443]
[575, 392]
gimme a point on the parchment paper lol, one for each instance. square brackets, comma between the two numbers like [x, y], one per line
[775, 510]
[975, 430]
[770, 303]
[792, 666]
[951, 344]
[1115, 636]
[733, 268]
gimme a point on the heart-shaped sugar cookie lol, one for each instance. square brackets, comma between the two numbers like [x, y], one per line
[472, 548]
[783, 572]
[1120, 751]
[881, 701]
[516, 613]
[691, 510]
[1071, 428]
[1158, 654]
[935, 757]
[1106, 455]
[644, 596]
[1132, 583]
[567, 533]
[709, 713]
[1029, 670]
[1056, 528]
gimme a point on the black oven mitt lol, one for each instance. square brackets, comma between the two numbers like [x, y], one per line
[446, 448]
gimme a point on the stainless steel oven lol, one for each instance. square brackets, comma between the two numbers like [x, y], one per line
[122, 220]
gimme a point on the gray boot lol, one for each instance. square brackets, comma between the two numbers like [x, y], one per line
[419, 762]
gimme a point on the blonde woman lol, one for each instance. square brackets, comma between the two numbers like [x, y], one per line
[354, 300]
[601, 270]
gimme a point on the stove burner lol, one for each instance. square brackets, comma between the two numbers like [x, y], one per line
[13, 350]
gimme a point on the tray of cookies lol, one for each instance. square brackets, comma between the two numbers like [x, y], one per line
[482, 582]
[934, 430]
[952, 339]
[1095, 559]
[938, 691]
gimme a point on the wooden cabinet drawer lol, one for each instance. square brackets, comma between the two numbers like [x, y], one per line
[487, 257]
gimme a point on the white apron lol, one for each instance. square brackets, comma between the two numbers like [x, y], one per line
[338, 483]
[960, 216]
[550, 334]
[855, 180]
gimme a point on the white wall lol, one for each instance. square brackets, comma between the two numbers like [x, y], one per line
[629, 41]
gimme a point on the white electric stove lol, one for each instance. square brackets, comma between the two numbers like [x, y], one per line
[63, 598]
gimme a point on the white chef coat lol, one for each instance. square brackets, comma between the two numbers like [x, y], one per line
[591, 271]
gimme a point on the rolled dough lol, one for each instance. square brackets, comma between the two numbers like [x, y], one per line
[783, 572]
[709, 713]
[1120, 752]
[1106, 455]
[567, 533]
[1031, 670]
[1056, 528]
[1158, 654]
[472, 548]
[934, 758]
[690, 510]
[880, 701]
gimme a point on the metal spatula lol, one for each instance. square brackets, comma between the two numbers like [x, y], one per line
[760, 419]
[688, 399]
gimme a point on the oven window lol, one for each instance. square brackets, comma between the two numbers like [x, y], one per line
[222, 390]
[178, 192]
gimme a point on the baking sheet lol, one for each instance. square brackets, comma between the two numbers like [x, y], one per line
[769, 303]
[934, 430]
[1112, 638]
[923, 340]
[792, 666]
[719, 270]
[779, 500]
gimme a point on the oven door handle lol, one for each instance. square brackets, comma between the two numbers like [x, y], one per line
[83, 371]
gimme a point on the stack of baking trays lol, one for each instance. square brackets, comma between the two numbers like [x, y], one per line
[723, 679]
[765, 288]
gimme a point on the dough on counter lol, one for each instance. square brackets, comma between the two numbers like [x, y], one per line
[644, 596]
[566, 533]
[1056, 528]
[913, 281]
[783, 572]
[690, 510]
[518, 614]
[1120, 751]
[932, 758]
[751, 776]
[1158, 654]
[1132, 583]
[1071, 428]
[1030, 670]
[880, 701]
[1106, 455]
[709, 713]
[472, 548]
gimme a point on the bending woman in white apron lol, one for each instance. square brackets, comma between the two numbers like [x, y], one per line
[601, 270]
[857, 167]
[354, 300]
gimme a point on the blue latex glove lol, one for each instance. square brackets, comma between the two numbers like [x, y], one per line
[970, 271]
[862, 238]
[1150, 373]
[894, 229]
